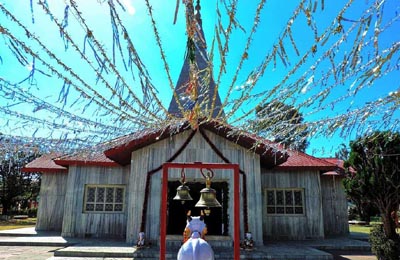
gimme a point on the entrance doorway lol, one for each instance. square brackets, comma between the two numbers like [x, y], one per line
[217, 222]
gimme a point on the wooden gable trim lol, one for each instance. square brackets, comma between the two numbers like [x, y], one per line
[122, 153]
[270, 157]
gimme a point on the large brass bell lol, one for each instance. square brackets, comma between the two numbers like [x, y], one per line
[207, 199]
[208, 196]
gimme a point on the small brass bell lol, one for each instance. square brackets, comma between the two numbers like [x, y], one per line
[208, 197]
[182, 193]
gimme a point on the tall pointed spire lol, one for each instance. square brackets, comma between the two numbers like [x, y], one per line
[204, 78]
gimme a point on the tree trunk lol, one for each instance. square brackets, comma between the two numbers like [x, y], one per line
[388, 225]
[6, 207]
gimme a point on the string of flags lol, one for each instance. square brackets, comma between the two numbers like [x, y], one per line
[323, 71]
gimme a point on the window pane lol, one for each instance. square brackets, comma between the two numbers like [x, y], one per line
[279, 197]
[270, 197]
[118, 207]
[280, 210]
[99, 207]
[100, 195]
[288, 198]
[90, 194]
[89, 207]
[298, 200]
[104, 198]
[110, 194]
[285, 201]
[119, 195]
[298, 210]
[289, 210]
[109, 207]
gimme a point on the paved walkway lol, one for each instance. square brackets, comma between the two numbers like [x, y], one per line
[27, 252]
[28, 244]
[351, 255]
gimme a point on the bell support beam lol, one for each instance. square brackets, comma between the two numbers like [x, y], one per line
[199, 165]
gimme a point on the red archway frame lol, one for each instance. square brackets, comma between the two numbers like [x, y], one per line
[199, 165]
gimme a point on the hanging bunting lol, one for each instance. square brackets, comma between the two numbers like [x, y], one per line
[329, 66]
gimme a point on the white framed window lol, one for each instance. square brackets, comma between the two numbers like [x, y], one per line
[104, 198]
[285, 201]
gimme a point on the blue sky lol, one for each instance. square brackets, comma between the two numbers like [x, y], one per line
[273, 21]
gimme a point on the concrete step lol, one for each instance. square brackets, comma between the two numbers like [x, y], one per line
[144, 253]
[26, 232]
[213, 241]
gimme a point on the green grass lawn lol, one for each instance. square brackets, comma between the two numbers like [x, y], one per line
[17, 223]
[366, 229]
[360, 229]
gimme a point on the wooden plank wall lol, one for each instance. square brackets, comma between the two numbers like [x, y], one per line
[155, 155]
[334, 206]
[284, 227]
[76, 223]
[51, 206]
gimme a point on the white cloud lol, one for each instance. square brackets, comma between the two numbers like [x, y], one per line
[129, 6]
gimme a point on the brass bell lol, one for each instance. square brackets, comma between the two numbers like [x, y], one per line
[182, 193]
[208, 197]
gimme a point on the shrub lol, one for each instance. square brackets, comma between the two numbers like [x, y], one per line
[353, 214]
[32, 213]
[383, 247]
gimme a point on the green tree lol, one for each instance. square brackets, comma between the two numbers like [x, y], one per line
[283, 124]
[364, 208]
[16, 185]
[375, 159]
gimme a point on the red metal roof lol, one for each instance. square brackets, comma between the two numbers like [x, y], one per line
[85, 158]
[336, 161]
[340, 164]
[271, 154]
[44, 163]
[301, 160]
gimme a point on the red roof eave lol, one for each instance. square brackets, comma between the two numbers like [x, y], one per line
[47, 170]
[293, 167]
[301, 161]
[44, 163]
[86, 163]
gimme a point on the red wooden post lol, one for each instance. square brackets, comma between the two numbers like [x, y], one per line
[236, 213]
[163, 224]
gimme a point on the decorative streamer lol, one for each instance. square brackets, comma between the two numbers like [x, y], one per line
[329, 69]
